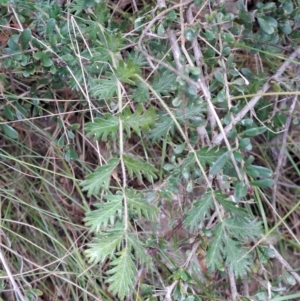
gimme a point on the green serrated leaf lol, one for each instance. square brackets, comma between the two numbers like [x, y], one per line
[138, 248]
[123, 274]
[200, 210]
[206, 156]
[106, 213]
[104, 246]
[230, 206]
[100, 178]
[214, 256]
[163, 82]
[138, 167]
[103, 127]
[138, 205]
[127, 72]
[9, 131]
[243, 229]
[105, 88]
[162, 129]
[236, 260]
[141, 93]
[137, 120]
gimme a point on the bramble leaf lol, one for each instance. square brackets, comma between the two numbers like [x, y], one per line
[162, 128]
[99, 178]
[199, 211]
[105, 88]
[103, 127]
[219, 164]
[243, 229]
[104, 246]
[214, 256]
[226, 247]
[236, 259]
[123, 274]
[106, 213]
[137, 120]
[140, 206]
[163, 82]
[127, 72]
[205, 155]
[138, 167]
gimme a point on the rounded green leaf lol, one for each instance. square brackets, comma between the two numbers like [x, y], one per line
[47, 62]
[190, 187]
[265, 25]
[226, 51]
[176, 102]
[240, 190]
[50, 27]
[70, 134]
[25, 38]
[61, 141]
[219, 164]
[288, 7]
[179, 148]
[268, 6]
[168, 167]
[219, 77]
[288, 278]
[161, 30]
[190, 34]
[245, 17]
[246, 122]
[263, 183]
[9, 131]
[244, 143]
[255, 171]
[8, 113]
[255, 131]
[12, 43]
[221, 97]
[70, 154]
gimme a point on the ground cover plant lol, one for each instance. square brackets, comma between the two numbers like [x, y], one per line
[149, 150]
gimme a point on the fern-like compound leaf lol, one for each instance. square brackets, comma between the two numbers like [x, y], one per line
[100, 178]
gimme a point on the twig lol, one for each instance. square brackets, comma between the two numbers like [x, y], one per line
[250, 105]
[198, 57]
[234, 293]
[147, 55]
[246, 286]
[281, 153]
[175, 49]
[11, 278]
[285, 264]
[161, 3]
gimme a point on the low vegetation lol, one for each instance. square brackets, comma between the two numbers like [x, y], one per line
[149, 150]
